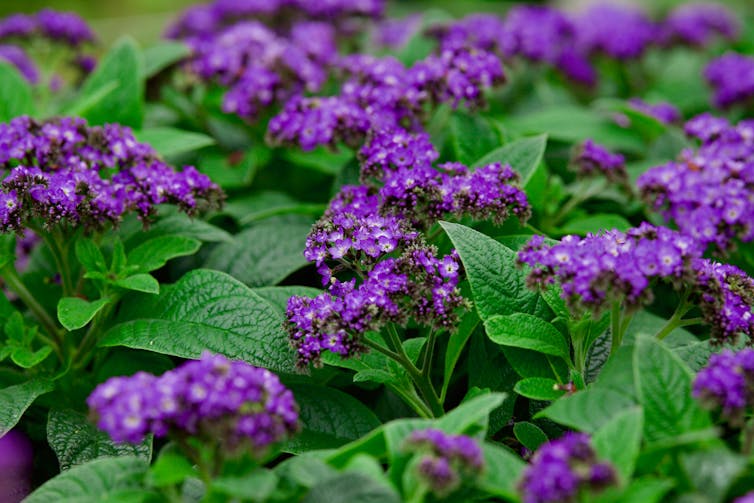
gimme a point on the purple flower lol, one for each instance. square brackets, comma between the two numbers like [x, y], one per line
[446, 460]
[727, 384]
[697, 24]
[592, 158]
[536, 33]
[618, 31]
[732, 79]
[63, 170]
[746, 498]
[55, 26]
[664, 112]
[216, 399]
[561, 468]
[395, 33]
[726, 298]
[18, 58]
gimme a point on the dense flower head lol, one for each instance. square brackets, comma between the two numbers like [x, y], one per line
[394, 33]
[746, 498]
[592, 159]
[732, 79]
[726, 384]
[213, 398]
[416, 284]
[664, 112]
[618, 31]
[63, 170]
[709, 192]
[726, 297]
[204, 20]
[59, 27]
[697, 24]
[446, 460]
[393, 150]
[562, 468]
[537, 33]
[17, 57]
[612, 266]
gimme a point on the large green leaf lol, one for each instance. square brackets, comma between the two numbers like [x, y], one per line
[264, 254]
[162, 55]
[352, 487]
[125, 103]
[663, 385]
[76, 440]
[471, 136]
[713, 471]
[170, 141]
[526, 331]
[15, 94]
[176, 224]
[103, 479]
[209, 311]
[329, 418]
[16, 399]
[471, 414]
[587, 410]
[619, 439]
[278, 295]
[523, 155]
[502, 472]
[154, 253]
[497, 283]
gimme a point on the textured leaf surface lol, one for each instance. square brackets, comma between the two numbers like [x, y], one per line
[154, 253]
[538, 388]
[587, 410]
[329, 418]
[74, 313]
[526, 331]
[498, 285]
[104, 479]
[209, 310]
[16, 399]
[471, 136]
[76, 440]
[530, 435]
[264, 254]
[619, 439]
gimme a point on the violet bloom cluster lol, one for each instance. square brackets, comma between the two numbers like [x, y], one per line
[216, 399]
[697, 24]
[63, 171]
[382, 94]
[709, 192]
[592, 159]
[746, 498]
[447, 461]
[664, 112]
[731, 77]
[562, 468]
[727, 384]
[726, 296]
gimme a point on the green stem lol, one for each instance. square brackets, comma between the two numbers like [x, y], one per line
[429, 354]
[84, 351]
[677, 320]
[421, 381]
[14, 282]
[615, 327]
[574, 201]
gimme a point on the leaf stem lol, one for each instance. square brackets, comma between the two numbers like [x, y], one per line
[615, 327]
[677, 320]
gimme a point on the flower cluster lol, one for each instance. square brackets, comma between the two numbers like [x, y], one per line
[726, 297]
[21, 32]
[664, 112]
[562, 468]
[727, 384]
[381, 94]
[613, 266]
[732, 79]
[708, 193]
[447, 460]
[64, 171]
[746, 498]
[213, 398]
[571, 42]
[592, 159]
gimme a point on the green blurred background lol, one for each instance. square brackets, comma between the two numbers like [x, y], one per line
[146, 19]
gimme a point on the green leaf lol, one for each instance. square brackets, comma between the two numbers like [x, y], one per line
[642, 490]
[713, 471]
[321, 159]
[329, 418]
[619, 440]
[351, 487]
[27, 358]
[264, 254]
[526, 331]
[530, 435]
[528, 363]
[471, 137]
[16, 399]
[178, 224]
[82, 104]
[171, 468]
[523, 155]
[471, 414]
[209, 311]
[154, 253]
[74, 312]
[663, 385]
[124, 104]
[587, 410]
[262, 205]
[594, 224]
[538, 388]
[255, 486]
[502, 472]
[162, 55]
[139, 283]
[456, 342]
[7, 249]
[76, 440]
[90, 255]
[171, 142]
[278, 295]
[104, 479]
[15, 94]
[497, 284]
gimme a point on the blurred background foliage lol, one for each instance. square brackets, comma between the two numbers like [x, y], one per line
[146, 19]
